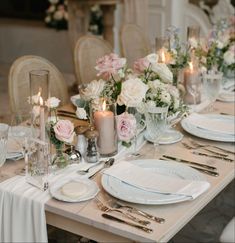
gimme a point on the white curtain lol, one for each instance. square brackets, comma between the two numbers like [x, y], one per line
[136, 12]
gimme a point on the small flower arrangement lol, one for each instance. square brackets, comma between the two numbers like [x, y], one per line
[60, 132]
[218, 50]
[57, 15]
[160, 89]
[179, 52]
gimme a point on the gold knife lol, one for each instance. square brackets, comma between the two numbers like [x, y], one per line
[111, 217]
[206, 171]
[190, 162]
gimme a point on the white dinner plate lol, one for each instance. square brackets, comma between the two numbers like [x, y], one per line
[91, 192]
[126, 192]
[204, 133]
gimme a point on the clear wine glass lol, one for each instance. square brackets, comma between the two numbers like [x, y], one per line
[19, 134]
[3, 144]
[212, 81]
[193, 86]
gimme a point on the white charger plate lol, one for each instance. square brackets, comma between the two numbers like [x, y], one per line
[92, 190]
[226, 96]
[126, 192]
[204, 133]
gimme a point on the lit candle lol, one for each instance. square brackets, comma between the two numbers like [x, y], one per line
[42, 120]
[162, 58]
[105, 124]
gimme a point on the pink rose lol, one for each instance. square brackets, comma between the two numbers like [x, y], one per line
[64, 131]
[141, 64]
[109, 65]
[126, 126]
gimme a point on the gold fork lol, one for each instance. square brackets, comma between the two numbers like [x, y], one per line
[106, 209]
[208, 150]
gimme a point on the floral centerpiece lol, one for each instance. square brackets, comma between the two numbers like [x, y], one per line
[217, 51]
[60, 132]
[148, 84]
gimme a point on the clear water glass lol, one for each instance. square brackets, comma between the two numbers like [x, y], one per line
[193, 86]
[3, 142]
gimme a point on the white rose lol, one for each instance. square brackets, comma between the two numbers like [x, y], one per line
[163, 71]
[81, 113]
[93, 90]
[52, 102]
[173, 91]
[58, 15]
[152, 58]
[165, 97]
[132, 93]
[229, 57]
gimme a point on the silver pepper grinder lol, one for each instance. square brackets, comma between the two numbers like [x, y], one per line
[91, 154]
[81, 145]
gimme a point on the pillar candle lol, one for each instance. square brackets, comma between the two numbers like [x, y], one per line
[105, 124]
[42, 120]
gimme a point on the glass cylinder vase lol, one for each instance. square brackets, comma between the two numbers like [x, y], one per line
[39, 93]
[104, 120]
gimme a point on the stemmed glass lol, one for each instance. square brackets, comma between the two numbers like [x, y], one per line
[3, 143]
[212, 81]
[156, 124]
[20, 131]
[193, 86]
[140, 125]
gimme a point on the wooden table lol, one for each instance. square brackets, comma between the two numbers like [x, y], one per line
[85, 218]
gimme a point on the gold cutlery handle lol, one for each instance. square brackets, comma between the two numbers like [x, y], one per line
[208, 172]
[149, 216]
[222, 149]
[189, 162]
[213, 156]
[111, 217]
[143, 222]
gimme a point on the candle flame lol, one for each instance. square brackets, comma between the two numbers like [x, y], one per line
[104, 105]
[190, 66]
[163, 56]
[40, 99]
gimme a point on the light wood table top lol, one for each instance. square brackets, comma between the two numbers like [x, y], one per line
[85, 218]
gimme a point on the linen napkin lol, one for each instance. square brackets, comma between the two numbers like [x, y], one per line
[22, 213]
[222, 126]
[154, 182]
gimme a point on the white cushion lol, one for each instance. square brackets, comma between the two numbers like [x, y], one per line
[228, 234]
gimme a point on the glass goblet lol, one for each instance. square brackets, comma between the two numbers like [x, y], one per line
[193, 86]
[212, 82]
[156, 123]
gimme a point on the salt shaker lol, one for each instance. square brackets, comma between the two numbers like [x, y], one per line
[91, 154]
[81, 140]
